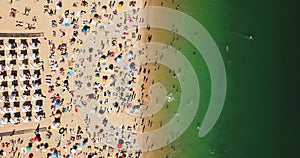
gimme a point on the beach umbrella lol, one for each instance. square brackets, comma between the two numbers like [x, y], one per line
[88, 84]
[120, 5]
[70, 72]
[132, 65]
[124, 66]
[93, 111]
[58, 112]
[46, 145]
[118, 58]
[97, 16]
[61, 130]
[69, 156]
[101, 130]
[28, 147]
[55, 154]
[83, 143]
[104, 8]
[67, 12]
[108, 141]
[119, 146]
[59, 4]
[85, 29]
[111, 66]
[121, 141]
[92, 95]
[101, 111]
[104, 78]
[103, 60]
[129, 54]
[97, 75]
[115, 104]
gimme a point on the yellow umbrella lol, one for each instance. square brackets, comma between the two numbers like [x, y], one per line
[120, 5]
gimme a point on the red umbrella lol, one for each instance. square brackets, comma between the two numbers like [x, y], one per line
[119, 146]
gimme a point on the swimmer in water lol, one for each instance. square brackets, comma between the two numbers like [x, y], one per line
[249, 37]
[227, 48]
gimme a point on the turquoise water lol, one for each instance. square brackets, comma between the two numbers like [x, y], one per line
[260, 108]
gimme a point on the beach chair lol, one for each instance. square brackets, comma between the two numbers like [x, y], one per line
[48, 79]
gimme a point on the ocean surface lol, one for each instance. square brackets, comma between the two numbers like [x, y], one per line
[260, 111]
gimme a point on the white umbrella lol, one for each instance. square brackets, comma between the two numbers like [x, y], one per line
[2, 89]
[8, 57]
[25, 109]
[22, 66]
[23, 87]
[20, 56]
[34, 77]
[32, 56]
[23, 98]
[36, 108]
[11, 77]
[3, 121]
[2, 110]
[7, 46]
[25, 119]
[12, 109]
[2, 99]
[11, 88]
[15, 120]
[37, 118]
[22, 77]
[31, 46]
[33, 66]
[35, 97]
[34, 86]
[12, 98]
[20, 46]
[9, 66]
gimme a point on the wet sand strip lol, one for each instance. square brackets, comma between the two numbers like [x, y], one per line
[19, 132]
[39, 34]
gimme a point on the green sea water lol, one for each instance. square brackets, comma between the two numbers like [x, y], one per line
[260, 109]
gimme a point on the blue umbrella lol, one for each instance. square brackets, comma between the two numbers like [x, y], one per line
[55, 154]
